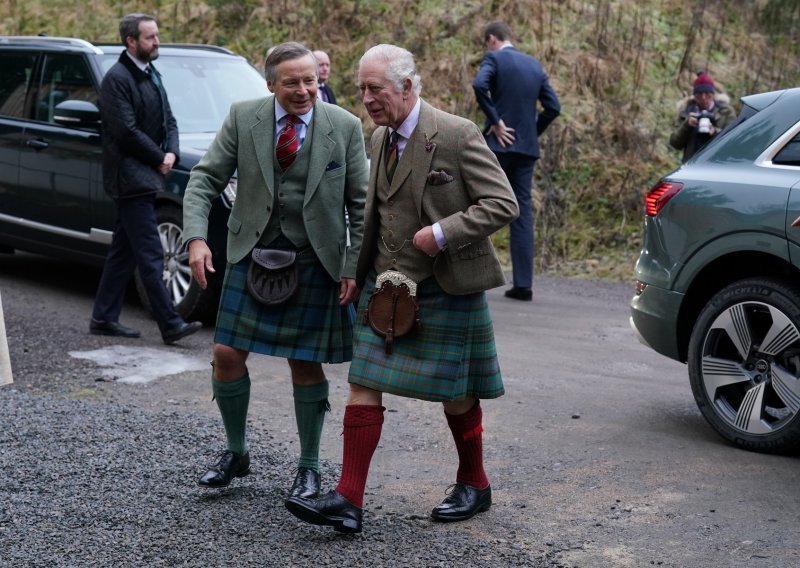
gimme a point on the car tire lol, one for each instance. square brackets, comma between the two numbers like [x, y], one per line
[191, 301]
[744, 364]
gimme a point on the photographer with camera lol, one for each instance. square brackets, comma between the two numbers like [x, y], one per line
[700, 117]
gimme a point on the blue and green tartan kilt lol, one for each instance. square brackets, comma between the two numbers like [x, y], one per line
[310, 326]
[451, 356]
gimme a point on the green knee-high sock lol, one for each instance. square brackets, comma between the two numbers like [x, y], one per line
[310, 405]
[233, 398]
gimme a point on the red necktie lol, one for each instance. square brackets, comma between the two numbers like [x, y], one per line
[391, 155]
[287, 146]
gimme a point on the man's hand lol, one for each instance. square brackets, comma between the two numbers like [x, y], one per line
[348, 292]
[200, 261]
[166, 165]
[425, 241]
[504, 134]
[693, 119]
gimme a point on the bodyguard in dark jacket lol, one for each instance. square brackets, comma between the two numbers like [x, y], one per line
[140, 147]
[138, 131]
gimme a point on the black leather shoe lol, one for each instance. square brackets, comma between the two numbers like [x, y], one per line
[112, 328]
[524, 294]
[463, 502]
[230, 465]
[306, 484]
[332, 509]
[173, 334]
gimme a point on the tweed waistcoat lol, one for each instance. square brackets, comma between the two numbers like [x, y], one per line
[290, 193]
[398, 222]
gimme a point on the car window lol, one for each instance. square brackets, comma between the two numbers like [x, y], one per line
[16, 70]
[789, 154]
[65, 77]
[201, 89]
[747, 112]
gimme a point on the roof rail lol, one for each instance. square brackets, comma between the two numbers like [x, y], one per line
[205, 46]
[75, 42]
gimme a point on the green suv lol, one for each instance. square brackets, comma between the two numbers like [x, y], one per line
[51, 189]
[718, 278]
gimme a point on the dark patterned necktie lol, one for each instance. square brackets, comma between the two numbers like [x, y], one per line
[154, 76]
[392, 156]
[288, 144]
[151, 71]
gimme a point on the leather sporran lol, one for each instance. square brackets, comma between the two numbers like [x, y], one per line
[392, 310]
[272, 277]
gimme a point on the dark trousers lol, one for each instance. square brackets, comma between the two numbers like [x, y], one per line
[135, 244]
[519, 171]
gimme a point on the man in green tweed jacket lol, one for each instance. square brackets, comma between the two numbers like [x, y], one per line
[300, 165]
[436, 194]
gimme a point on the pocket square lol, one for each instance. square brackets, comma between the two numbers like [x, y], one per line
[332, 166]
[439, 177]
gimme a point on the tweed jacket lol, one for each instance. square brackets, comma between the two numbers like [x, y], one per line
[475, 203]
[336, 181]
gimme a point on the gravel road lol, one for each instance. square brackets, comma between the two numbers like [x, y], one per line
[597, 454]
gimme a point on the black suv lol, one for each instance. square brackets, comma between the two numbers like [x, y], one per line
[51, 189]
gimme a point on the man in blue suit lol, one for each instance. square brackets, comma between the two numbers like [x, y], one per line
[507, 87]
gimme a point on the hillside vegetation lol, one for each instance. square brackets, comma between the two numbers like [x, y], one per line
[618, 66]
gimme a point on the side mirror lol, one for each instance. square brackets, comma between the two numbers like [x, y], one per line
[77, 114]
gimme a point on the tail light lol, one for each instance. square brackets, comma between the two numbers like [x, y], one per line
[657, 197]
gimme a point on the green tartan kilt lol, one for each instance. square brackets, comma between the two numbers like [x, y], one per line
[451, 356]
[310, 326]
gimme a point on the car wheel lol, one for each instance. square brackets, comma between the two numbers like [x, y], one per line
[744, 364]
[191, 301]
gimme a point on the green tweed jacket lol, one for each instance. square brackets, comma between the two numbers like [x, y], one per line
[457, 182]
[337, 181]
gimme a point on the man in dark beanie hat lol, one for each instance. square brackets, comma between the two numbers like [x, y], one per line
[700, 117]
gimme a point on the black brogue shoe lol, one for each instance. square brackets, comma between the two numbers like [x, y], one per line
[229, 465]
[331, 509]
[463, 502]
[306, 484]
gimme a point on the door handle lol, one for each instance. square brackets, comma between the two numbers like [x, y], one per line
[37, 143]
[796, 223]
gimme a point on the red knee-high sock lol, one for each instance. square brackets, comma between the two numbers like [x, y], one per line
[467, 432]
[362, 432]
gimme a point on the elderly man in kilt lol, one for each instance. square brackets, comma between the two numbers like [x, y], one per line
[436, 194]
[301, 164]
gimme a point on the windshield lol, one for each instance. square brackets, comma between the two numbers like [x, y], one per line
[201, 89]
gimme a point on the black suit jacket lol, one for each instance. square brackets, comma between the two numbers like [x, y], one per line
[134, 140]
[328, 92]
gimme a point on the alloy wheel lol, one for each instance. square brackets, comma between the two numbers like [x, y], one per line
[177, 273]
[751, 367]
